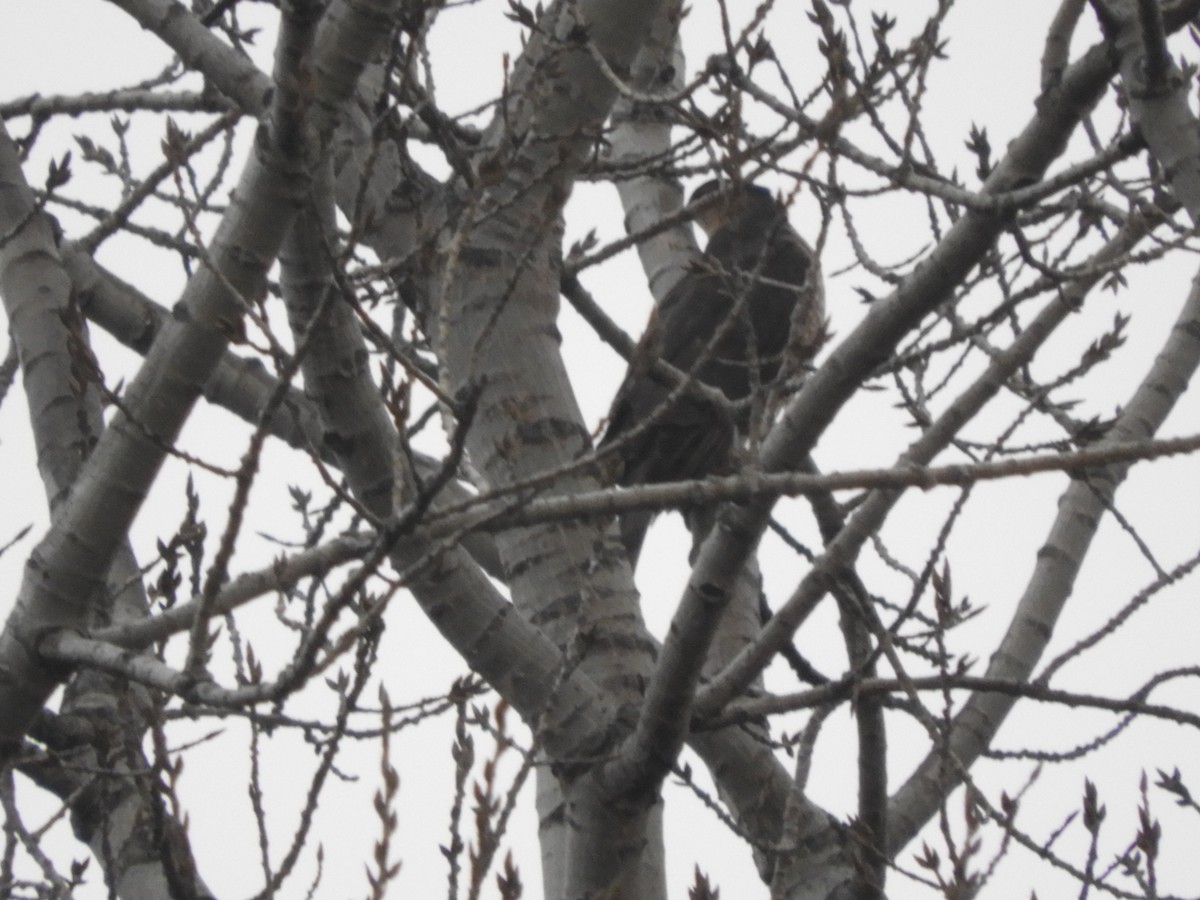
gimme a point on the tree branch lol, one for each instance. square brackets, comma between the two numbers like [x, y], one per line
[71, 561]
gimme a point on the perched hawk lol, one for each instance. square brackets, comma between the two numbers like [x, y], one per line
[749, 312]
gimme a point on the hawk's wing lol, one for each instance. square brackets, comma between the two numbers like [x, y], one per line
[688, 438]
[683, 438]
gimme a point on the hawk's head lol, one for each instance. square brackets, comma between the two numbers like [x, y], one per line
[726, 203]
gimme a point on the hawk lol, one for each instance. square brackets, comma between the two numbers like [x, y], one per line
[749, 315]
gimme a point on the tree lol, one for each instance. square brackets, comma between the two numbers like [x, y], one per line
[820, 661]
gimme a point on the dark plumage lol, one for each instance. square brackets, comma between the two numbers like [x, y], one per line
[750, 311]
